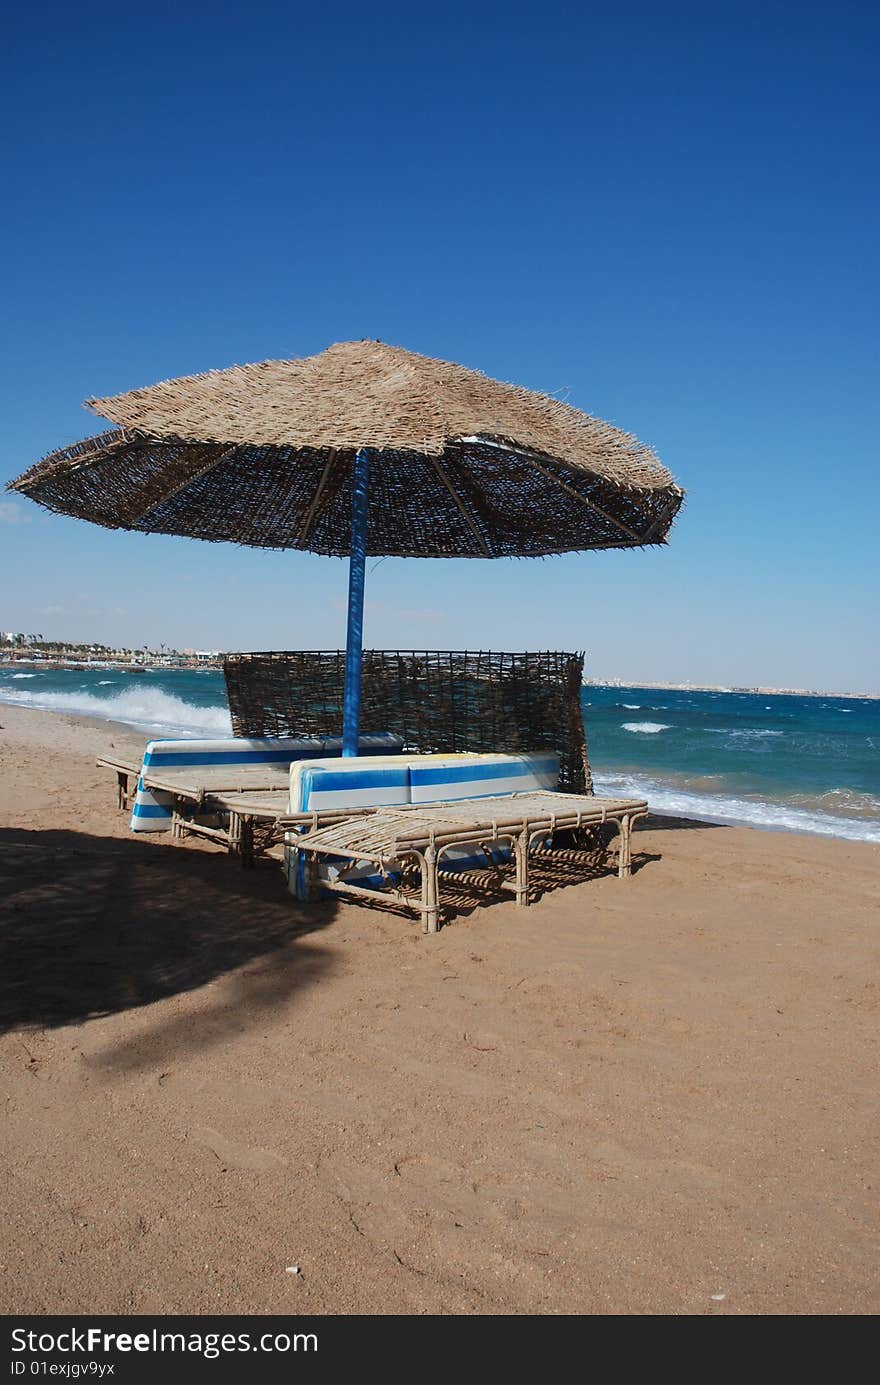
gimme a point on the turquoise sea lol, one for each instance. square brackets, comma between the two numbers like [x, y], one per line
[808, 764]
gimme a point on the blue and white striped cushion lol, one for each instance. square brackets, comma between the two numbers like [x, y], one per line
[438, 778]
[152, 810]
[361, 782]
[233, 750]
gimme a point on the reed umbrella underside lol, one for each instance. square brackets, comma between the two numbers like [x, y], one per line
[363, 449]
[264, 455]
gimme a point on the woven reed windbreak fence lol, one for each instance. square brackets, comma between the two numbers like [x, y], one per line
[442, 701]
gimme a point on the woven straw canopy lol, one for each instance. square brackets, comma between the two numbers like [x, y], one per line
[460, 465]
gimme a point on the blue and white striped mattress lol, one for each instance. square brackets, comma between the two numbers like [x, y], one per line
[152, 810]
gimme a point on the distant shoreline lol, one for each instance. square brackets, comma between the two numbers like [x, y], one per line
[117, 665]
[727, 688]
[191, 666]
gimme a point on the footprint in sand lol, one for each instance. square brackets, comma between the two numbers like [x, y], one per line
[233, 1155]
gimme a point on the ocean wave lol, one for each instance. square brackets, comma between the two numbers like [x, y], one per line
[143, 707]
[646, 728]
[632, 706]
[24, 675]
[744, 733]
[106, 682]
[678, 801]
[850, 802]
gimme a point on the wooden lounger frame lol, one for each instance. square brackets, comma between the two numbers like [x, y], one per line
[245, 796]
[424, 833]
[255, 819]
[126, 771]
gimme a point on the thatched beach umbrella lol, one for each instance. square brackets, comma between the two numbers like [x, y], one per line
[364, 449]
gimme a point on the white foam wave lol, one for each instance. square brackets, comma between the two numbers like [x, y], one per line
[748, 733]
[24, 675]
[632, 706]
[106, 682]
[850, 803]
[780, 817]
[645, 728]
[144, 707]
[745, 736]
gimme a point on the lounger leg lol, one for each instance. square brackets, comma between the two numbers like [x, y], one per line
[521, 855]
[430, 890]
[121, 789]
[247, 842]
[423, 878]
[311, 875]
[239, 838]
[624, 853]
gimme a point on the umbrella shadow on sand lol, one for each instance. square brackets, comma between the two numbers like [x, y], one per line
[92, 926]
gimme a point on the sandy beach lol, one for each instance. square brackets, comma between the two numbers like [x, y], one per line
[653, 1096]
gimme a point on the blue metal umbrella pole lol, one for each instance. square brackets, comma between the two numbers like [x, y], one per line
[354, 641]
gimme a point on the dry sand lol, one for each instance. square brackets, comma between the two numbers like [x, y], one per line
[654, 1096]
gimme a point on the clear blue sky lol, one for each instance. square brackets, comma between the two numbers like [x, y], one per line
[668, 213]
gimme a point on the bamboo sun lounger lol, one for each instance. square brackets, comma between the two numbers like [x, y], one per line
[245, 795]
[361, 826]
[197, 784]
[423, 833]
[230, 791]
[247, 818]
